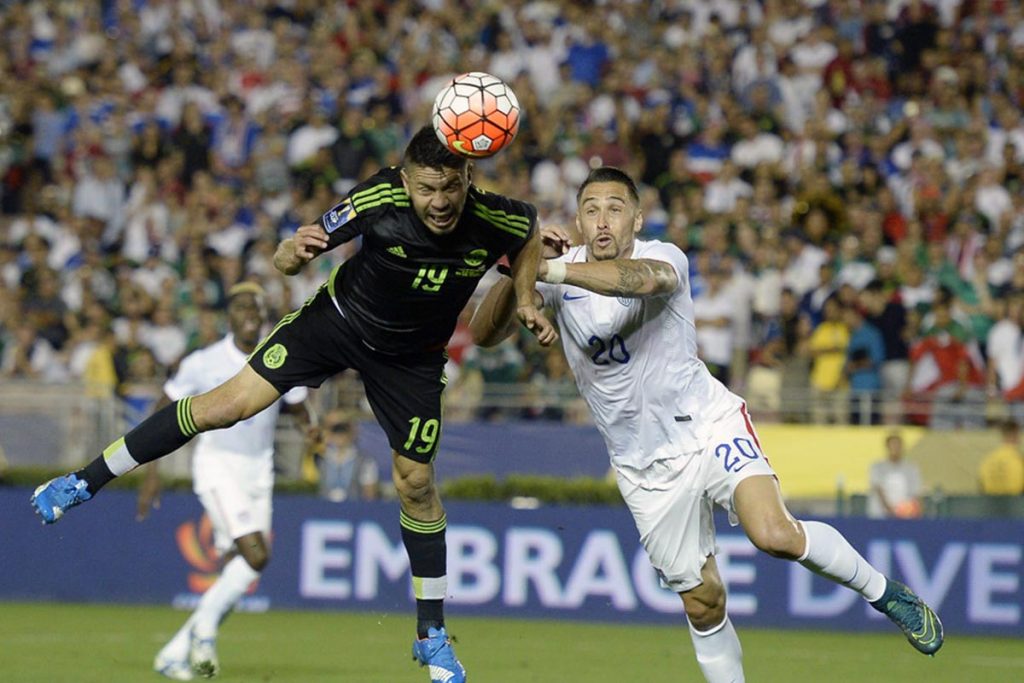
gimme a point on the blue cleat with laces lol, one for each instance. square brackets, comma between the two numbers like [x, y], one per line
[435, 652]
[52, 499]
[918, 622]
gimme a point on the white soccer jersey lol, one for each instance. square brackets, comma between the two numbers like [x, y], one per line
[249, 445]
[635, 362]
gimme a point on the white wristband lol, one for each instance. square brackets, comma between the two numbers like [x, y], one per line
[556, 273]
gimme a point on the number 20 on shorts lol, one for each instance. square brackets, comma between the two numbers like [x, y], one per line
[425, 432]
[737, 454]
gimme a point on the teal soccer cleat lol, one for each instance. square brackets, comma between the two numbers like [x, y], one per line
[435, 652]
[52, 499]
[918, 622]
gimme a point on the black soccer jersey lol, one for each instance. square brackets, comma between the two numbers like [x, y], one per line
[404, 289]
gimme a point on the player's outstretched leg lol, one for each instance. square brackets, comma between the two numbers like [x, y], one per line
[435, 652]
[907, 610]
[58, 495]
[161, 433]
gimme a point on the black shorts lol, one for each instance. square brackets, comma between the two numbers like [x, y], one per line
[404, 391]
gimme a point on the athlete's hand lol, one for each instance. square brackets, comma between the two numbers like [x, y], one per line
[556, 241]
[149, 497]
[539, 325]
[310, 241]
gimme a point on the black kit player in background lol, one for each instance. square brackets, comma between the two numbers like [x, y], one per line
[428, 236]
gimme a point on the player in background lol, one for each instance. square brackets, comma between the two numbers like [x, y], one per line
[679, 441]
[233, 475]
[428, 235]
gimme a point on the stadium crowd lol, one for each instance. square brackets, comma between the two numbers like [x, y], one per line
[845, 176]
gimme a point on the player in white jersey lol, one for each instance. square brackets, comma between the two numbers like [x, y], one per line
[678, 439]
[233, 475]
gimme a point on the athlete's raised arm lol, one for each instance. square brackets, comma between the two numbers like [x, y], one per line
[295, 252]
[629, 278]
[495, 319]
[524, 279]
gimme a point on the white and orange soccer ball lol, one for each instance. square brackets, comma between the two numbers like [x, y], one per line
[476, 115]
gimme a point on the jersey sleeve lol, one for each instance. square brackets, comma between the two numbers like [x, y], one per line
[674, 256]
[512, 218]
[348, 218]
[186, 381]
[295, 395]
[548, 292]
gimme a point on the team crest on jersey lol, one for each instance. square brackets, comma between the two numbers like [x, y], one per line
[475, 257]
[339, 216]
[274, 357]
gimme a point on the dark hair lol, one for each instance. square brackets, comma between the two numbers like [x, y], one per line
[425, 149]
[610, 174]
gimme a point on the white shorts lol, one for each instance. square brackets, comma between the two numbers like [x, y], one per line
[236, 507]
[672, 500]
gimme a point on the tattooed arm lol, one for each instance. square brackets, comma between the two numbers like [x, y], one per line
[631, 278]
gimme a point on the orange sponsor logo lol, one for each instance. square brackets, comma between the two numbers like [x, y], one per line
[196, 545]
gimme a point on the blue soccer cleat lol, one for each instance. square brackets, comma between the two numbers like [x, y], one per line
[52, 499]
[918, 622]
[435, 652]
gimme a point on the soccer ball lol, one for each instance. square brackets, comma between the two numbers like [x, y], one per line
[476, 115]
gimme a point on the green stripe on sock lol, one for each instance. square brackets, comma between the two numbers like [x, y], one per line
[185, 422]
[416, 526]
[109, 450]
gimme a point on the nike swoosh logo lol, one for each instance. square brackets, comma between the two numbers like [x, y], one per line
[568, 297]
[467, 151]
[928, 633]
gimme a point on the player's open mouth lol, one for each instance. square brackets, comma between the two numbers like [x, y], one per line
[604, 241]
[443, 220]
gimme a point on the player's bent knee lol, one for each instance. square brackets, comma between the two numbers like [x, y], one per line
[414, 484]
[705, 604]
[258, 561]
[779, 538]
[255, 552]
[707, 612]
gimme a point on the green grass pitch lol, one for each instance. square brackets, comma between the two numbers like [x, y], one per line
[57, 643]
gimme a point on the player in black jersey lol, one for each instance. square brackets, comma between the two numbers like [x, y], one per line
[428, 236]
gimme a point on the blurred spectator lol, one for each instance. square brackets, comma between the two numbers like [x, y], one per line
[884, 139]
[495, 367]
[865, 354]
[1002, 471]
[827, 346]
[764, 379]
[946, 383]
[342, 471]
[713, 314]
[27, 355]
[895, 483]
[890, 319]
[1005, 356]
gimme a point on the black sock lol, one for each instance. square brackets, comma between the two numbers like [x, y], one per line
[163, 432]
[425, 544]
[95, 475]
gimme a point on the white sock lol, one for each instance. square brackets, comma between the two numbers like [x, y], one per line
[219, 598]
[719, 653]
[830, 555]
